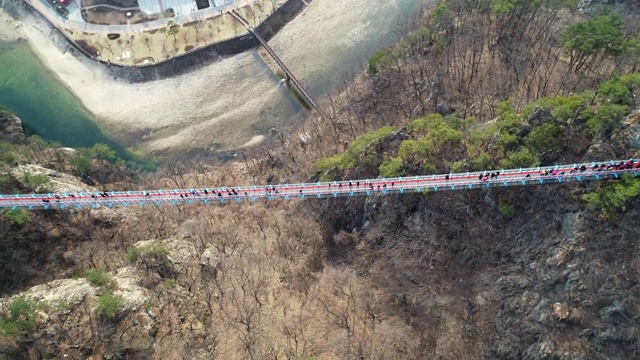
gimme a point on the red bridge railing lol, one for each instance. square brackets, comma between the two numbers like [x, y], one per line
[363, 187]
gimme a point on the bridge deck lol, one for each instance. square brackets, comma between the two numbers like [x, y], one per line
[365, 187]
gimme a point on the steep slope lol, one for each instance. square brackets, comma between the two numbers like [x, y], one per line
[535, 273]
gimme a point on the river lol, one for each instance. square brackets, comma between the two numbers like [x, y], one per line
[49, 109]
[46, 107]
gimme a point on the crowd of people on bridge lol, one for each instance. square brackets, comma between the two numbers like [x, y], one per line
[371, 185]
[611, 166]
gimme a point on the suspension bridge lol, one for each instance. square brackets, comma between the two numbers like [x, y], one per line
[556, 174]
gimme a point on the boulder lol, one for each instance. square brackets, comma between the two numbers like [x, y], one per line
[445, 110]
[544, 349]
[592, 6]
[561, 310]
[513, 282]
[541, 313]
[539, 116]
[58, 182]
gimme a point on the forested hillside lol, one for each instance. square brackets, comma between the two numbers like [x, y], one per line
[533, 273]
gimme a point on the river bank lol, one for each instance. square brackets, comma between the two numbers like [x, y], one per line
[229, 103]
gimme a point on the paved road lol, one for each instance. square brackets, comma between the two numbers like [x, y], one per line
[61, 22]
[365, 187]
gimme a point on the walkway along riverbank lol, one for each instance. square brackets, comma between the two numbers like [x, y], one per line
[365, 187]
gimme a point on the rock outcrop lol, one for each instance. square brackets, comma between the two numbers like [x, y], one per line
[11, 129]
[58, 182]
[592, 5]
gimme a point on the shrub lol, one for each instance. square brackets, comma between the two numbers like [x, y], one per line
[419, 36]
[102, 152]
[150, 305]
[22, 317]
[154, 249]
[391, 167]
[36, 183]
[606, 119]
[379, 60]
[5, 180]
[616, 92]
[613, 198]
[510, 125]
[438, 129]
[544, 139]
[365, 141]
[483, 134]
[17, 217]
[566, 108]
[481, 162]
[152, 257]
[98, 277]
[632, 81]
[509, 121]
[506, 210]
[7, 155]
[169, 283]
[507, 143]
[134, 254]
[459, 166]
[81, 165]
[329, 167]
[502, 7]
[522, 158]
[415, 149]
[108, 305]
[423, 123]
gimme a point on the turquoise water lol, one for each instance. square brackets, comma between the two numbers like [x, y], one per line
[50, 110]
[46, 107]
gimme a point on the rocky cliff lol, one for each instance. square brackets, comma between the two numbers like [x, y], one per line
[11, 129]
[592, 5]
